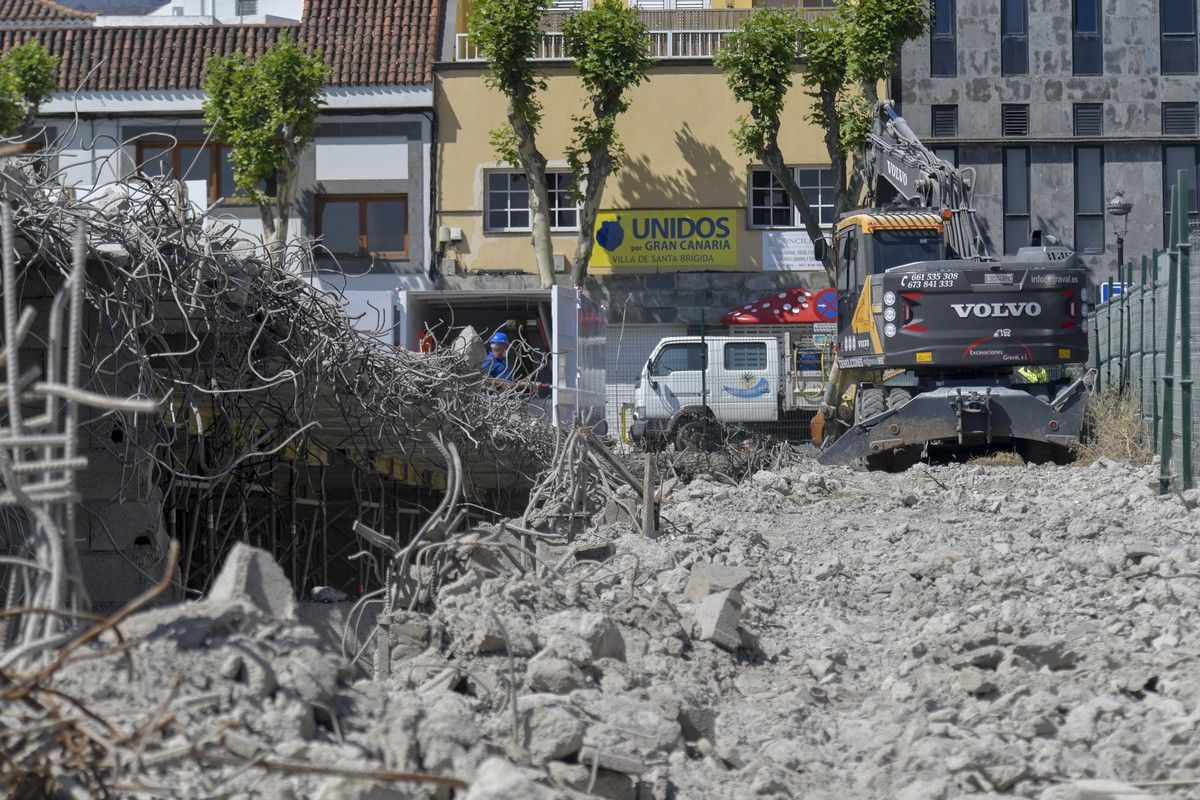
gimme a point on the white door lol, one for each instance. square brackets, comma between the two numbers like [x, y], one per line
[745, 378]
[675, 378]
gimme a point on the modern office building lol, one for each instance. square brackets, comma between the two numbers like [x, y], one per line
[1059, 106]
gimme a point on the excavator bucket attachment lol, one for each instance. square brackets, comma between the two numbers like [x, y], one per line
[967, 415]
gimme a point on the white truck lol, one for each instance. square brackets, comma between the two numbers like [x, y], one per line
[767, 382]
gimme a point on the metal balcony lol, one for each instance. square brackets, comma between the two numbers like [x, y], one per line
[664, 45]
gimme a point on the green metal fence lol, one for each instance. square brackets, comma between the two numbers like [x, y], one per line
[1142, 344]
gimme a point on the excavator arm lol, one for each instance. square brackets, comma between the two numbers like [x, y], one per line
[899, 170]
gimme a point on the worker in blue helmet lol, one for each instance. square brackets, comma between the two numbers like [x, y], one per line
[497, 371]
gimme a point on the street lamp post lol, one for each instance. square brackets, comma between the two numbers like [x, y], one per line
[1118, 207]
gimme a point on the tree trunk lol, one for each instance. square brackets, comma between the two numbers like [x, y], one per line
[772, 157]
[599, 168]
[534, 164]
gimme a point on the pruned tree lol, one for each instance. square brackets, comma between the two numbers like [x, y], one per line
[844, 56]
[609, 46]
[266, 110]
[507, 33]
[28, 76]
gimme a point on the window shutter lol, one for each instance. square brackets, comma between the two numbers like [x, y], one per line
[945, 121]
[1014, 120]
[1180, 119]
[1089, 119]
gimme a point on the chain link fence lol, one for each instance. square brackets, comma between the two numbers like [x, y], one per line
[1144, 331]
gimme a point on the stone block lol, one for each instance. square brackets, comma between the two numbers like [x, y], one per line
[251, 575]
[717, 619]
[706, 579]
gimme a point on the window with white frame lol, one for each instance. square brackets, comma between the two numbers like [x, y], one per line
[507, 207]
[769, 204]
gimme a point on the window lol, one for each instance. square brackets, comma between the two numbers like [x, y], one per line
[769, 204]
[364, 224]
[1089, 119]
[1088, 47]
[193, 161]
[943, 41]
[678, 358]
[1177, 19]
[746, 355]
[947, 154]
[1016, 198]
[1089, 200]
[944, 121]
[1014, 119]
[1014, 38]
[1180, 119]
[508, 202]
[1178, 157]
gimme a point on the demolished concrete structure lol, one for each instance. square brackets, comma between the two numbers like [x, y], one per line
[986, 632]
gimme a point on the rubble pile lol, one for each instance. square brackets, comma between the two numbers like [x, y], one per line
[949, 632]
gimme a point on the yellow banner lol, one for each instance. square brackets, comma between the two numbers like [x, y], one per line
[705, 237]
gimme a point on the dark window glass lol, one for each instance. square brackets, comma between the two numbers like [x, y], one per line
[1016, 198]
[387, 221]
[1014, 39]
[157, 162]
[1178, 157]
[1178, 21]
[893, 248]
[1089, 199]
[195, 162]
[339, 227]
[1088, 49]
[746, 355]
[678, 358]
[943, 48]
[947, 154]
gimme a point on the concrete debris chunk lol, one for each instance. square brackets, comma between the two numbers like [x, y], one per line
[1096, 789]
[497, 779]
[550, 727]
[251, 575]
[717, 619]
[548, 673]
[598, 631]
[706, 579]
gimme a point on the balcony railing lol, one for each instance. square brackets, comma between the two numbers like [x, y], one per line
[662, 45]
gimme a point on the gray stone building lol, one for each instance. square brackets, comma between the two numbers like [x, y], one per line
[1057, 105]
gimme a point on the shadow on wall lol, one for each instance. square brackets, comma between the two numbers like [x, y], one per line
[708, 174]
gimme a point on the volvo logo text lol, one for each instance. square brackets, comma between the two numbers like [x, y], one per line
[965, 310]
[897, 173]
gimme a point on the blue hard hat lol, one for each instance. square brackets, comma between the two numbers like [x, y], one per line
[498, 338]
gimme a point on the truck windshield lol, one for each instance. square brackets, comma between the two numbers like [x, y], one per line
[893, 248]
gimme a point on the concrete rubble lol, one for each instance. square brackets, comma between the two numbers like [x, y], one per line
[949, 632]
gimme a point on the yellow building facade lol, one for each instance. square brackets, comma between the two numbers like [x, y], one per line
[683, 191]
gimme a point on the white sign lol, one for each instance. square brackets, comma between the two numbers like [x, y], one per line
[788, 250]
[352, 158]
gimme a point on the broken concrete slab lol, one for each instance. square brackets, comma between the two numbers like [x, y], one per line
[597, 630]
[497, 779]
[706, 579]
[717, 619]
[551, 728]
[251, 575]
[1096, 789]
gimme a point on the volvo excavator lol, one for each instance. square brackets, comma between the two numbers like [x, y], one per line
[941, 344]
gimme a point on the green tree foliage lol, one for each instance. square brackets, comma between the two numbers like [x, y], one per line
[266, 110]
[844, 56]
[507, 33]
[609, 46]
[28, 75]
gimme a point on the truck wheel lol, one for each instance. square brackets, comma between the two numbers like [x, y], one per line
[870, 402]
[897, 398]
[693, 434]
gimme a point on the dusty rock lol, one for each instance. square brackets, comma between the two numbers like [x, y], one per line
[547, 673]
[706, 579]
[717, 619]
[497, 779]
[550, 727]
[598, 631]
[1095, 789]
[250, 574]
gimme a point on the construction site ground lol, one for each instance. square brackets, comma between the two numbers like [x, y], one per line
[965, 631]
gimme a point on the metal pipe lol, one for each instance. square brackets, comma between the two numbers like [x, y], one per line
[1168, 378]
[1185, 338]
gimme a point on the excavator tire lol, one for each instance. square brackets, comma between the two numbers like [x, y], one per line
[870, 402]
[897, 398]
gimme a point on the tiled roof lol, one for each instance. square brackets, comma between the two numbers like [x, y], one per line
[365, 43]
[28, 11]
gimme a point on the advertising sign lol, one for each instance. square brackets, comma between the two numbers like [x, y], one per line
[787, 250]
[704, 238]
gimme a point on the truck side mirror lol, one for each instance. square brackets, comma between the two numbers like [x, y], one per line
[819, 249]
